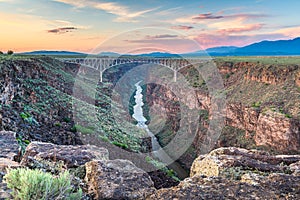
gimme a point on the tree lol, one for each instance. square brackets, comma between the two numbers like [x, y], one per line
[10, 52]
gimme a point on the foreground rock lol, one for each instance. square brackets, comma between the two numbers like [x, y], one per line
[117, 179]
[4, 164]
[235, 173]
[9, 147]
[234, 162]
[201, 187]
[72, 156]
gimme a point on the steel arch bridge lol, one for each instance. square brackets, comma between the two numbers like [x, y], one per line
[102, 64]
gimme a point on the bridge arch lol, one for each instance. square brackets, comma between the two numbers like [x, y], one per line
[103, 64]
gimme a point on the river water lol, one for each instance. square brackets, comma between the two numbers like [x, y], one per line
[157, 151]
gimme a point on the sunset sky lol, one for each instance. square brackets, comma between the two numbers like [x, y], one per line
[121, 26]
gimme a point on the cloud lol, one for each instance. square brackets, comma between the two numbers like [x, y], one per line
[207, 16]
[154, 38]
[62, 30]
[290, 32]
[175, 45]
[168, 12]
[213, 40]
[123, 12]
[246, 16]
[182, 27]
[163, 36]
[244, 28]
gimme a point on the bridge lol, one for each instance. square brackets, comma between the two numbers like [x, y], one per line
[102, 64]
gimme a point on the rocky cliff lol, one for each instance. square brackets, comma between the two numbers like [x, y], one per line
[262, 108]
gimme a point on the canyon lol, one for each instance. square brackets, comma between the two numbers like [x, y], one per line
[261, 112]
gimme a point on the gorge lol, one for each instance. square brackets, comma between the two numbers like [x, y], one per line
[262, 113]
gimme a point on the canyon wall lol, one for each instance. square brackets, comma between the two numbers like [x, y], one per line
[262, 101]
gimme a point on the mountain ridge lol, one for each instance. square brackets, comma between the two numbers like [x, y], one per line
[265, 47]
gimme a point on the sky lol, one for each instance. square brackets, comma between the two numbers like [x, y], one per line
[131, 26]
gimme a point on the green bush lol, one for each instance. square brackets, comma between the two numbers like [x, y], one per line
[83, 130]
[27, 184]
[256, 104]
[123, 146]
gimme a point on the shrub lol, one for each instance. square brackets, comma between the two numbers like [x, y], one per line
[27, 184]
[83, 130]
[288, 116]
[10, 52]
[57, 124]
[67, 119]
[123, 146]
[256, 104]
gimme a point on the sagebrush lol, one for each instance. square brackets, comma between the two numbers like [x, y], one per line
[27, 184]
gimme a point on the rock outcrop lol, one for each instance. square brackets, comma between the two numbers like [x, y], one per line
[274, 129]
[270, 74]
[227, 161]
[201, 187]
[271, 128]
[235, 173]
[72, 156]
[27, 85]
[9, 152]
[297, 79]
[9, 147]
[117, 179]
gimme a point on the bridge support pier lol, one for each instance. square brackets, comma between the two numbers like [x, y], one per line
[101, 74]
[175, 75]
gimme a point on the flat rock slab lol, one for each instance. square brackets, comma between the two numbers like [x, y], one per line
[219, 161]
[9, 147]
[117, 179]
[72, 156]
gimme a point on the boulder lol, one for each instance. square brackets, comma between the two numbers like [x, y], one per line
[295, 168]
[201, 187]
[9, 147]
[7, 163]
[117, 179]
[72, 156]
[223, 161]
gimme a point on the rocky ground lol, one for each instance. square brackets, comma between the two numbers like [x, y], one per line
[225, 173]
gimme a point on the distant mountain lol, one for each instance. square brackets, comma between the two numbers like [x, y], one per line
[221, 50]
[47, 53]
[110, 54]
[159, 55]
[279, 47]
[215, 51]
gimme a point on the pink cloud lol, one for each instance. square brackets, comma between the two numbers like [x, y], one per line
[163, 36]
[208, 16]
[182, 27]
[213, 40]
[244, 28]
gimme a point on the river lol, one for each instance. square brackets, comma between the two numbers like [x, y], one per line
[157, 151]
